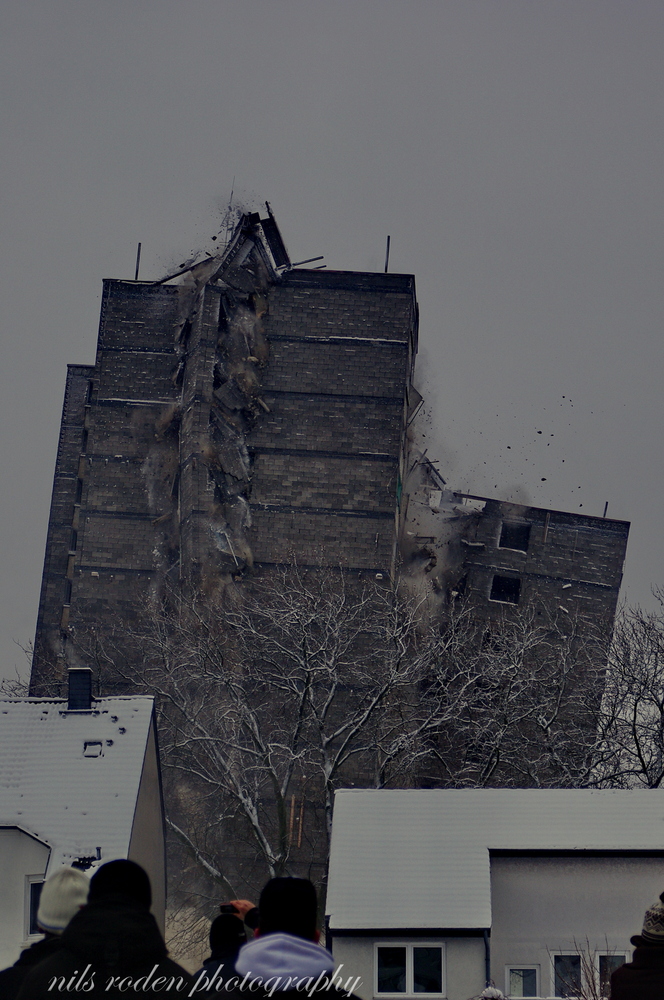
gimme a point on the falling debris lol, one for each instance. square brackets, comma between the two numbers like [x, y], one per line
[457, 545]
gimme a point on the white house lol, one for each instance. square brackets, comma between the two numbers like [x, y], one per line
[79, 785]
[432, 893]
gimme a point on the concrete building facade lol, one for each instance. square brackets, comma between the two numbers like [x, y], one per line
[245, 413]
[504, 558]
[240, 414]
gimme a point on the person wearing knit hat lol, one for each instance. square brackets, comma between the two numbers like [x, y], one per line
[113, 939]
[643, 977]
[62, 896]
[653, 924]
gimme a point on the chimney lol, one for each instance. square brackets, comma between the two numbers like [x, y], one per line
[80, 689]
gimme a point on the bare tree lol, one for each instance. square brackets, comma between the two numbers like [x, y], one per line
[270, 700]
[267, 704]
[527, 714]
[586, 972]
[629, 749]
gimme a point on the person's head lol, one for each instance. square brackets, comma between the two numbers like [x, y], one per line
[288, 905]
[653, 925]
[227, 934]
[62, 896]
[121, 878]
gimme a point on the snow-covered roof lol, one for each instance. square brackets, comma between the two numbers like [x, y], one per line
[71, 779]
[421, 858]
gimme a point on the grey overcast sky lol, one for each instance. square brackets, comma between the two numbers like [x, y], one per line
[512, 149]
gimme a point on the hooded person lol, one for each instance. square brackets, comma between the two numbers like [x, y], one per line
[110, 944]
[643, 977]
[62, 896]
[285, 958]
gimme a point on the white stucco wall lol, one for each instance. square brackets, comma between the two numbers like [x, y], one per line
[464, 962]
[147, 846]
[542, 905]
[20, 856]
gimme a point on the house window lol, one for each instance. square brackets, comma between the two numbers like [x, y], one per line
[409, 969]
[506, 589]
[566, 975]
[514, 536]
[35, 883]
[522, 981]
[606, 964]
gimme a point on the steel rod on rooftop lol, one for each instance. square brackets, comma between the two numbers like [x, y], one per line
[308, 260]
[176, 274]
[138, 261]
[387, 254]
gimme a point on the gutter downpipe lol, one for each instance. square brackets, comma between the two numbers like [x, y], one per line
[487, 958]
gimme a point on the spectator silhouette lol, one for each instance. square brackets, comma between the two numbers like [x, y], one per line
[643, 977]
[285, 955]
[114, 939]
[227, 935]
[62, 896]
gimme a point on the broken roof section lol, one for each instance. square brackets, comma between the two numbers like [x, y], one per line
[501, 554]
[255, 244]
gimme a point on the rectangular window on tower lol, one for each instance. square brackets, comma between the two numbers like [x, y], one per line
[514, 535]
[506, 589]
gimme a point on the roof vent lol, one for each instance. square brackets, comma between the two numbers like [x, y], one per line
[80, 689]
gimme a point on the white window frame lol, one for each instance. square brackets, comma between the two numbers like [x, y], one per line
[523, 965]
[29, 881]
[560, 953]
[625, 955]
[409, 945]
[611, 954]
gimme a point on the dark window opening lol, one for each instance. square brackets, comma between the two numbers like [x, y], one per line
[391, 970]
[607, 966]
[427, 970]
[84, 441]
[79, 491]
[522, 983]
[35, 893]
[514, 536]
[67, 594]
[73, 541]
[567, 975]
[506, 589]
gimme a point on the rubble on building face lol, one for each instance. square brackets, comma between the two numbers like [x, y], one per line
[242, 413]
[502, 556]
